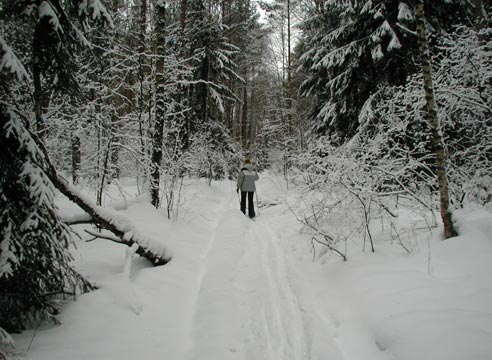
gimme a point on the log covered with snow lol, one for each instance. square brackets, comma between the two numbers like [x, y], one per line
[116, 223]
[107, 218]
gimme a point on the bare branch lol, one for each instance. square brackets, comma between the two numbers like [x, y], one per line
[329, 239]
[103, 236]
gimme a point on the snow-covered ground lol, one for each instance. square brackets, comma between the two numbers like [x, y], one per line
[242, 289]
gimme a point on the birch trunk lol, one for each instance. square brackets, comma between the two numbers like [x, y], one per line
[432, 118]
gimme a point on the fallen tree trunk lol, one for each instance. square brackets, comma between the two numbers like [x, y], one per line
[115, 223]
[105, 218]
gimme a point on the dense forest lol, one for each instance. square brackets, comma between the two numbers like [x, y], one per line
[379, 98]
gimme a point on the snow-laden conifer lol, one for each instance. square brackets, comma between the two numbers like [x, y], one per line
[35, 261]
[351, 48]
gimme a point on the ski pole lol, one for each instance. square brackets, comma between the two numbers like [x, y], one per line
[257, 202]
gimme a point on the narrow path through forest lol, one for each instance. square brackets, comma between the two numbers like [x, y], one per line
[253, 302]
[246, 306]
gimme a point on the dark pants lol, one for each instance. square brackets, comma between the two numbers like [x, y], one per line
[251, 205]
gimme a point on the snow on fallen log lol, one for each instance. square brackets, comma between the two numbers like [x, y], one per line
[76, 219]
[107, 218]
[116, 223]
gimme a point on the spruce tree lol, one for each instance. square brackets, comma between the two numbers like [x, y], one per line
[35, 268]
[35, 261]
[354, 48]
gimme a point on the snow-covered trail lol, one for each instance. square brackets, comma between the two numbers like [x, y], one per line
[253, 303]
[279, 316]
[245, 306]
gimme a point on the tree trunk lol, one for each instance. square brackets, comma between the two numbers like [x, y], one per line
[183, 19]
[244, 123]
[478, 10]
[76, 157]
[142, 26]
[105, 172]
[203, 87]
[289, 74]
[432, 118]
[228, 119]
[41, 101]
[253, 117]
[160, 105]
[143, 99]
[237, 119]
[38, 102]
[114, 167]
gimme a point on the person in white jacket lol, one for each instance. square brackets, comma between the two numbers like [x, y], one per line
[246, 184]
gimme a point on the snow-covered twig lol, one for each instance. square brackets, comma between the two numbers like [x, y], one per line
[103, 236]
[329, 239]
[365, 208]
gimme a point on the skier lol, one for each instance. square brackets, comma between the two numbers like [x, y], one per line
[246, 183]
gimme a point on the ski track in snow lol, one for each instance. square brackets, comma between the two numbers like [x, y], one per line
[245, 306]
[251, 302]
[280, 311]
